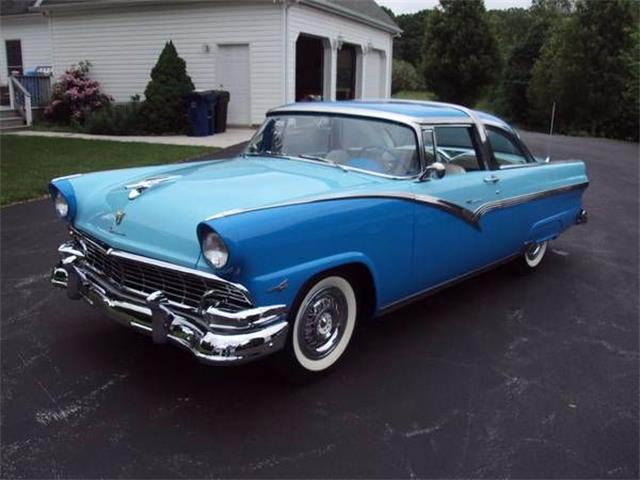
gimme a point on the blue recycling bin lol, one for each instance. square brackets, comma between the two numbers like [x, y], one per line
[201, 113]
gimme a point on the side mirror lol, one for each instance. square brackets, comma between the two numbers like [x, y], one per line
[435, 170]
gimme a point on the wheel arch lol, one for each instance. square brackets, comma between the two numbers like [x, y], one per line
[361, 279]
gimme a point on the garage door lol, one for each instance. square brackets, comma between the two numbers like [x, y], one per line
[374, 74]
[233, 76]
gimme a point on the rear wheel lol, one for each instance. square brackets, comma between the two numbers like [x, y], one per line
[532, 256]
[322, 323]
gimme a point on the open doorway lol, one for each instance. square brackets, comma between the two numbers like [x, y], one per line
[346, 76]
[310, 52]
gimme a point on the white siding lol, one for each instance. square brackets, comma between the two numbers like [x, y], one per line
[309, 20]
[34, 35]
[124, 44]
[375, 80]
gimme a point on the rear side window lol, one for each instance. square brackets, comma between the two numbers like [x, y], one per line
[456, 146]
[505, 150]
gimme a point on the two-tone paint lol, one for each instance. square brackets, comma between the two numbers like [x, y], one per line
[286, 220]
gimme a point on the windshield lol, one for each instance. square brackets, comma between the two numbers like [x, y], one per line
[367, 144]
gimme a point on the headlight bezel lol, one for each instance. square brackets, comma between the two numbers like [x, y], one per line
[63, 190]
[213, 248]
[61, 204]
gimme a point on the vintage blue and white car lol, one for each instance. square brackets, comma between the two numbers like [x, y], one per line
[335, 212]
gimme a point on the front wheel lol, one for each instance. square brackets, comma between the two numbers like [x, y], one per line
[323, 321]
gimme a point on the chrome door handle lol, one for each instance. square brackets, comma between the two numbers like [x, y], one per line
[491, 179]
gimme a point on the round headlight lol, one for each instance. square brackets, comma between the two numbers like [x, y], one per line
[214, 249]
[61, 204]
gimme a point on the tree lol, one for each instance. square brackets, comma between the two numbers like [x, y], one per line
[461, 57]
[408, 46]
[164, 106]
[404, 76]
[629, 125]
[389, 12]
[583, 67]
[524, 51]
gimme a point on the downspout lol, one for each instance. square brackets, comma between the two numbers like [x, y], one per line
[285, 49]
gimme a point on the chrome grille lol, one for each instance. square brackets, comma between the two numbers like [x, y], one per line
[179, 287]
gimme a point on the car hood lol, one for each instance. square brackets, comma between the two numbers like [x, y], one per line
[161, 222]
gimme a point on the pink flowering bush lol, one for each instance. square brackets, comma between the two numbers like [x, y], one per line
[75, 96]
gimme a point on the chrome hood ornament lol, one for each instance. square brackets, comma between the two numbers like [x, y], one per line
[118, 217]
[137, 189]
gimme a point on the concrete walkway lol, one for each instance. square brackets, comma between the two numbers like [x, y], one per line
[231, 137]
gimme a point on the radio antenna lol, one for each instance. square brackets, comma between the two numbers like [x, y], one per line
[553, 117]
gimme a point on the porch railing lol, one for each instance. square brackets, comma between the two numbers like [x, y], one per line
[39, 86]
[34, 90]
[20, 100]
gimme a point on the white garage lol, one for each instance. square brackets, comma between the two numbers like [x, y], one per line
[375, 83]
[255, 49]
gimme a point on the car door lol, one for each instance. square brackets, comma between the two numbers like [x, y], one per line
[536, 200]
[449, 240]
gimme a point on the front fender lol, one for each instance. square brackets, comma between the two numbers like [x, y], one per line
[290, 244]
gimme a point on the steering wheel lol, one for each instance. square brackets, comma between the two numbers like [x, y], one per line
[440, 151]
[389, 166]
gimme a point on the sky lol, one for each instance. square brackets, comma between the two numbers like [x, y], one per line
[411, 6]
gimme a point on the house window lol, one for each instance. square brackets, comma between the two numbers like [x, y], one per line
[14, 56]
[346, 78]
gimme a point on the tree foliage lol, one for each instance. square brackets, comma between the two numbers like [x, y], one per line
[461, 57]
[164, 106]
[404, 76]
[409, 45]
[584, 68]
[582, 54]
[522, 53]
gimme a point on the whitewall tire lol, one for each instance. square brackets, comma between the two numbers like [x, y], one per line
[323, 322]
[532, 256]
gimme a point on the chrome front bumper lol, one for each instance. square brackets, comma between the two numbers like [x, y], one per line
[213, 336]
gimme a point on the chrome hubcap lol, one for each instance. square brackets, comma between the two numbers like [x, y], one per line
[533, 250]
[322, 323]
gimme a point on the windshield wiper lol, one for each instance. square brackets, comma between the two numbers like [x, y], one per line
[323, 160]
[266, 153]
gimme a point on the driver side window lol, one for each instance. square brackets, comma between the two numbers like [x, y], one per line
[456, 148]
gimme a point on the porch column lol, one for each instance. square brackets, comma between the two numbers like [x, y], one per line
[331, 72]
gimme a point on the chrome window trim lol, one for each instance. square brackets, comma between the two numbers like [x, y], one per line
[520, 165]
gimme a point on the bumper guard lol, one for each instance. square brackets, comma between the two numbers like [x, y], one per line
[213, 336]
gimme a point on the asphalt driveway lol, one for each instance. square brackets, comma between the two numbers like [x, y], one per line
[501, 376]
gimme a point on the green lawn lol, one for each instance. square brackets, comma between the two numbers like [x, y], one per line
[28, 163]
[413, 95]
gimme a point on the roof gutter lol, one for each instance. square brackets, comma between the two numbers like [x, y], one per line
[93, 4]
[345, 12]
[320, 4]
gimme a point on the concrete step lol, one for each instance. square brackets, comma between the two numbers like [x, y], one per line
[13, 129]
[6, 112]
[10, 122]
